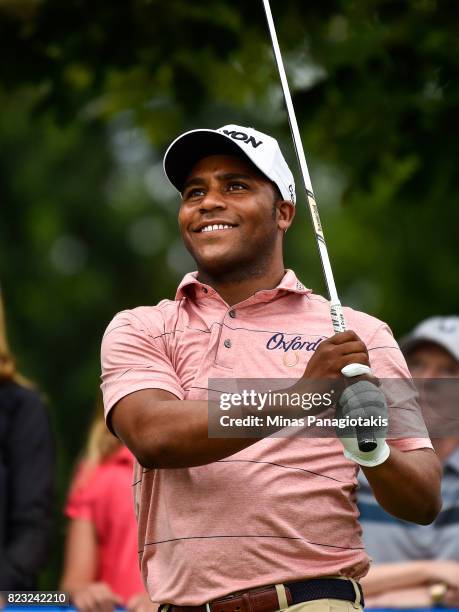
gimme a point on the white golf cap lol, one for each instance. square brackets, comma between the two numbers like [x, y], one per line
[262, 150]
[443, 331]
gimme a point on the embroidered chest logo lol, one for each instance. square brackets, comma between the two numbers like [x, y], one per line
[280, 342]
[291, 347]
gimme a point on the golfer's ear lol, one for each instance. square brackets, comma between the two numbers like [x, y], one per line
[286, 214]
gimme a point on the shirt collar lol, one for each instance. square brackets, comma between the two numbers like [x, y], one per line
[289, 283]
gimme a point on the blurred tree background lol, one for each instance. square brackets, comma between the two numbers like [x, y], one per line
[91, 93]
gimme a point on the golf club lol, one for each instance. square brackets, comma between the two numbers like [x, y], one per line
[366, 439]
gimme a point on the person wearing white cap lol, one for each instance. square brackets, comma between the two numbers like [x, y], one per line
[436, 335]
[235, 524]
[418, 566]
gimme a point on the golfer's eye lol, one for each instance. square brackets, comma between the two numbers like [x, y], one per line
[193, 193]
[237, 186]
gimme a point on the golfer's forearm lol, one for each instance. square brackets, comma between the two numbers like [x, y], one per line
[178, 436]
[394, 576]
[408, 485]
[170, 433]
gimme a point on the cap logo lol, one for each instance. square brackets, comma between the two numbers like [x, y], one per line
[243, 136]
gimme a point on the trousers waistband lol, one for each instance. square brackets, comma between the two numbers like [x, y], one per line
[266, 599]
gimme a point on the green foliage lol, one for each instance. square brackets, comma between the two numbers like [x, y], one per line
[91, 93]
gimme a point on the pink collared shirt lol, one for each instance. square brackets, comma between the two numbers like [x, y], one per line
[280, 510]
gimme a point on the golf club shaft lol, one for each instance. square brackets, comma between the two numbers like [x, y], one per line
[366, 440]
[338, 324]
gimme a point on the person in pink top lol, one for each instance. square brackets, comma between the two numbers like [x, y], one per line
[101, 568]
[239, 524]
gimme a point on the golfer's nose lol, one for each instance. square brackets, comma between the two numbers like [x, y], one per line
[211, 201]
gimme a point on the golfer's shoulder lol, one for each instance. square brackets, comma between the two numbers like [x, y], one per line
[149, 320]
[368, 327]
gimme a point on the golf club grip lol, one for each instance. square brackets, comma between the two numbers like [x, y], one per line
[366, 438]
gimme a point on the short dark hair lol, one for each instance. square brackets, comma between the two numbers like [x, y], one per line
[277, 193]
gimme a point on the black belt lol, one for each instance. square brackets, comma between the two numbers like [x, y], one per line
[264, 599]
[324, 588]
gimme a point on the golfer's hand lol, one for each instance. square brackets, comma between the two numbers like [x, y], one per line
[324, 368]
[359, 397]
[334, 353]
[95, 597]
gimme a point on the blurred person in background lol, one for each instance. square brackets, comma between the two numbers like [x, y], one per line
[416, 565]
[26, 475]
[101, 568]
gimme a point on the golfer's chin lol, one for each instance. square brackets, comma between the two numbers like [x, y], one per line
[217, 261]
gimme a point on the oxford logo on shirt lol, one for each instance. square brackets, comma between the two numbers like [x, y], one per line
[280, 342]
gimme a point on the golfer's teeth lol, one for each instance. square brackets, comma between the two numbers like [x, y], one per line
[213, 228]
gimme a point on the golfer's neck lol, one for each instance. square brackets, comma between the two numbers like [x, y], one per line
[234, 291]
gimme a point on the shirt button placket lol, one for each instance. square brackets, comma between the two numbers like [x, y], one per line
[228, 343]
[226, 355]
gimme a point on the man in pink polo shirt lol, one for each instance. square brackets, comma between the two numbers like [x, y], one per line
[248, 524]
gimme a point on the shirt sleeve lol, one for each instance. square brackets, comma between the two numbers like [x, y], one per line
[134, 356]
[386, 358]
[407, 428]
